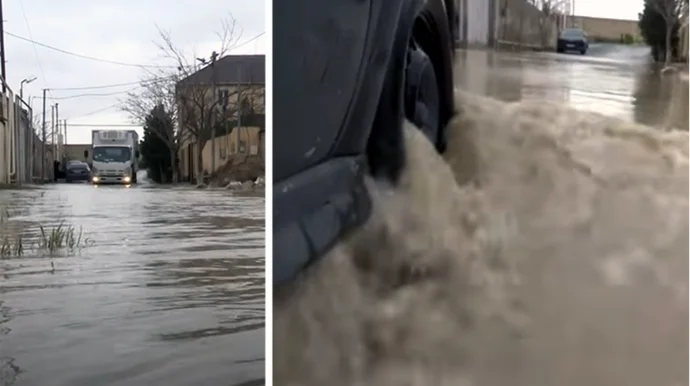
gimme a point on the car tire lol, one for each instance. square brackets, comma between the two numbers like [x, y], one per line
[583, 52]
[432, 36]
[418, 87]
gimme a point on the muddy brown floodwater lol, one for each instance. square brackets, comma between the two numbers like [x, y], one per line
[169, 292]
[548, 246]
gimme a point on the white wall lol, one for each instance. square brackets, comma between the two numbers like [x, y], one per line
[478, 22]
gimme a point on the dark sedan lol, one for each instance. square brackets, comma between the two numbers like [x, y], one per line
[77, 171]
[573, 39]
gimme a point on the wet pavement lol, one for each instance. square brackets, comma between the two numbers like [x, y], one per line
[615, 80]
[168, 288]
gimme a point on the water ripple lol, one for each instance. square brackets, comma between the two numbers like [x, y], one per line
[170, 292]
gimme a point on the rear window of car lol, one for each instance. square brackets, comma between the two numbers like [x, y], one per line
[77, 165]
[573, 33]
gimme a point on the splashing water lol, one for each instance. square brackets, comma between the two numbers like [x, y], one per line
[548, 247]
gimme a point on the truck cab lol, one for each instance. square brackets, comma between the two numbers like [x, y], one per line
[115, 155]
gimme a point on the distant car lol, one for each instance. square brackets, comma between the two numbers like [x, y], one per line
[77, 171]
[572, 39]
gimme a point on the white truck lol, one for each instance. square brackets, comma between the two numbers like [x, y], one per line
[114, 157]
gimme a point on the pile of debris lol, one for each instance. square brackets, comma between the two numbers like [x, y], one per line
[240, 172]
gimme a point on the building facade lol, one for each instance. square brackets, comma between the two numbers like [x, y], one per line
[233, 88]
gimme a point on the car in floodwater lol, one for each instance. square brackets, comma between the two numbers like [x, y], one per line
[348, 75]
[77, 171]
[572, 39]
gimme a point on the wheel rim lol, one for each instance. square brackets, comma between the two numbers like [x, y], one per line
[422, 101]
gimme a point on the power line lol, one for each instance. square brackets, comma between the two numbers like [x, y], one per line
[35, 43]
[248, 41]
[102, 86]
[96, 111]
[38, 60]
[93, 95]
[85, 56]
[103, 125]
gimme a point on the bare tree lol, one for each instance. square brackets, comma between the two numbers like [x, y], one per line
[157, 89]
[188, 96]
[671, 11]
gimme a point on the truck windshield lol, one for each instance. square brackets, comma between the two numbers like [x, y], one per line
[111, 154]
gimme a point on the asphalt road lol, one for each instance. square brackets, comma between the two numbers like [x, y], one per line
[614, 80]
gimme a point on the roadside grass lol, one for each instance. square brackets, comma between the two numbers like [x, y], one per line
[49, 241]
[17, 187]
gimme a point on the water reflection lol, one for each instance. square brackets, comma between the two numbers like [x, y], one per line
[613, 80]
[171, 293]
[652, 92]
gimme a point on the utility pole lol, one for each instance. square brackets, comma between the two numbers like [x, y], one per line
[52, 140]
[2, 49]
[573, 9]
[239, 111]
[214, 55]
[52, 127]
[43, 140]
[56, 145]
[65, 125]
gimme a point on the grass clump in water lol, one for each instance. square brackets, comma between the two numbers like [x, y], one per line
[50, 241]
[60, 238]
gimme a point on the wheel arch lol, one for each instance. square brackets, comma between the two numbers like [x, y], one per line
[433, 42]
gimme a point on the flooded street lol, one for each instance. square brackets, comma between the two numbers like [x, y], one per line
[614, 80]
[167, 288]
[547, 246]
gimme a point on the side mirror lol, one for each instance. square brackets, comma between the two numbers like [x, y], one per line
[86, 154]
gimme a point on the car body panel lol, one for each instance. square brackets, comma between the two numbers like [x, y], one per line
[572, 39]
[328, 97]
[77, 171]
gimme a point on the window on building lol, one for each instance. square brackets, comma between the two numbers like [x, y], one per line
[223, 98]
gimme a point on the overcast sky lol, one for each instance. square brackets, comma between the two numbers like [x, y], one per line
[123, 31]
[614, 9]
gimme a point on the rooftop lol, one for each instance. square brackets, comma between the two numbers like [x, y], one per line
[243, 69]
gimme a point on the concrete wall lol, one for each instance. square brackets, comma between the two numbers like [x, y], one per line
[684, 40]
[607, 29]
[23, 166]
[476, 26]
[17, 147]
[521, 23]
[246, 140]
[478, 21]
[490, 23]
[75, 152]
[38, 152]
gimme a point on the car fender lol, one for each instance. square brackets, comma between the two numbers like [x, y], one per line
[319, 167]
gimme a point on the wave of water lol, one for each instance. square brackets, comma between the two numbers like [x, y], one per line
[548, 247]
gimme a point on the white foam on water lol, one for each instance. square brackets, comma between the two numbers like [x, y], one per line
[547, 247]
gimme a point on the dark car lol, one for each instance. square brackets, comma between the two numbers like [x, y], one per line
[572, 39]
[347, 73]
[77, 171]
